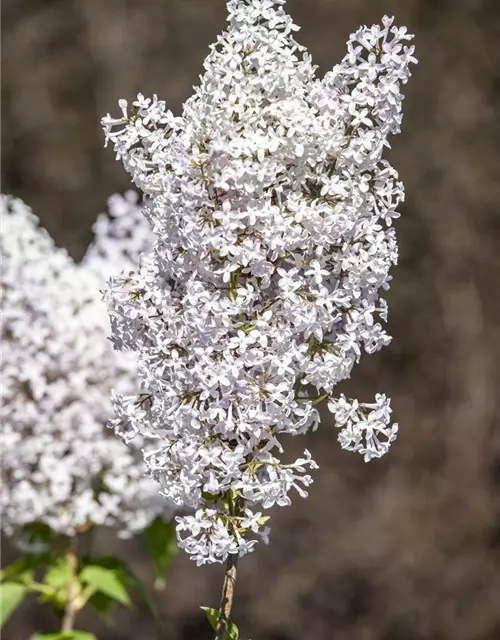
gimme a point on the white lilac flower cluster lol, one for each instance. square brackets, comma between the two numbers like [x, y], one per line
[60, 464]
[272, 211]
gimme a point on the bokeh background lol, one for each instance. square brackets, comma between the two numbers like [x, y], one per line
[405, 548]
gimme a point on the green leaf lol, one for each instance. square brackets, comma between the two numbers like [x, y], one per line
[13, 569]
[232, 632]
[11, 595]
[160, 544]
[64, 635]
[212, 615]
[103, 604]
[48, 594]
[106, 581]
[25, 578]
[59, 574]
[22, 566]
[127, 578]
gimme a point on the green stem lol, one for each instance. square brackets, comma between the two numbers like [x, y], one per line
[70, 609]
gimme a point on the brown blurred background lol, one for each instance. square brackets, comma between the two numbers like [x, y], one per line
[405, 548]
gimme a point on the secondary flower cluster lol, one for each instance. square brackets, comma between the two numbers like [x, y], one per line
[60, 465]
[272, 212]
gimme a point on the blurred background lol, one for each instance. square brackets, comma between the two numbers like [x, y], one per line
[404, 548]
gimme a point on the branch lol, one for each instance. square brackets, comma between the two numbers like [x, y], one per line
[226, 602]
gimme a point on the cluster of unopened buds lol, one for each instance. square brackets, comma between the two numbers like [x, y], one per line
[272, 211]
[61, 466]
